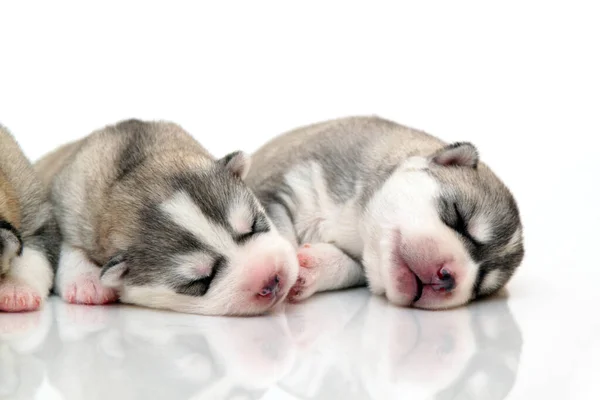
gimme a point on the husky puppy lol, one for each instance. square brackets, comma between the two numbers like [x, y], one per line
[366, 200]
[29, 237]
[148, 216]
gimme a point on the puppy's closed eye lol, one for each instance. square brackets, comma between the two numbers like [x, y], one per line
[200, 286]
[460, 224]
[259, 225]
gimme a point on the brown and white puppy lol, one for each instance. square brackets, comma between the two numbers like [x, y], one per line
[148, 216]
[425, 223]
[29, 237]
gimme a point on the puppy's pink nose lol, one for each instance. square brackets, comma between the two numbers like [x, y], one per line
[444, 281]
[271, 288]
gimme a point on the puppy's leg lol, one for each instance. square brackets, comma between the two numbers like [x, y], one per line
[78, 279]
[27, 283]
[325, 267]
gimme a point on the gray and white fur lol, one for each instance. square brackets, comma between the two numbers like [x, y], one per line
[29, 236]
[150, 217]
[366, 200]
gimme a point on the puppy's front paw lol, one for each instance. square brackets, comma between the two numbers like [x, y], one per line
[311, 257]
[87, 289]
[16, 296]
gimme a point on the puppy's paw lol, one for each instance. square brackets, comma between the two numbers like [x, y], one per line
[312, 258]
[17, 296]
[87, 289]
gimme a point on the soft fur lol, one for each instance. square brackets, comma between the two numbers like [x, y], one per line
[366, 200]
[150, 217]
[29, 237]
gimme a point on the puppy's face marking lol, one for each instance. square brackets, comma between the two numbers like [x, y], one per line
[209, 248]
[446, 231]
[241, 219]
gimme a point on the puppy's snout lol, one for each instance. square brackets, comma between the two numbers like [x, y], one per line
[444, 280]
[271, 288]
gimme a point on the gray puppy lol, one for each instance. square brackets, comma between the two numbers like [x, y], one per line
[29, 237]
[423, 222]
[150, 217]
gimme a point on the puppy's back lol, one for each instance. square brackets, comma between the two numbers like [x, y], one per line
[48, 166]
[107, 174]
[25, 193]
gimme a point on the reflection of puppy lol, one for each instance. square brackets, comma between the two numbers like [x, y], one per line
[325, 318]
[471, 352]
[21, 335]
[225, 357]
[385, 352]
[93, 353]
[78, 321]
[326, 330]
[150, 352]
[492, 371]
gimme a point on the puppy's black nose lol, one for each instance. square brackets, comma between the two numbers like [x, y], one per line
[444, 281]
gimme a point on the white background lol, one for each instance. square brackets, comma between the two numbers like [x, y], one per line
[521, 80]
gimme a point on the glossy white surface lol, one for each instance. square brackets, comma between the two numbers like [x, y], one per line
[347, 345]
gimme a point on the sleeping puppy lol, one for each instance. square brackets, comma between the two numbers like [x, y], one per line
[366, 200]
[149, 217]
[29, 237]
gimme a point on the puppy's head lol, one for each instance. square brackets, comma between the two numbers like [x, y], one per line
[443, 231]
[206, 248]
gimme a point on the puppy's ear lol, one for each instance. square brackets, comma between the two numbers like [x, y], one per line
[10, 240]
[460, 154]
[236, 163]
[114, 271]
